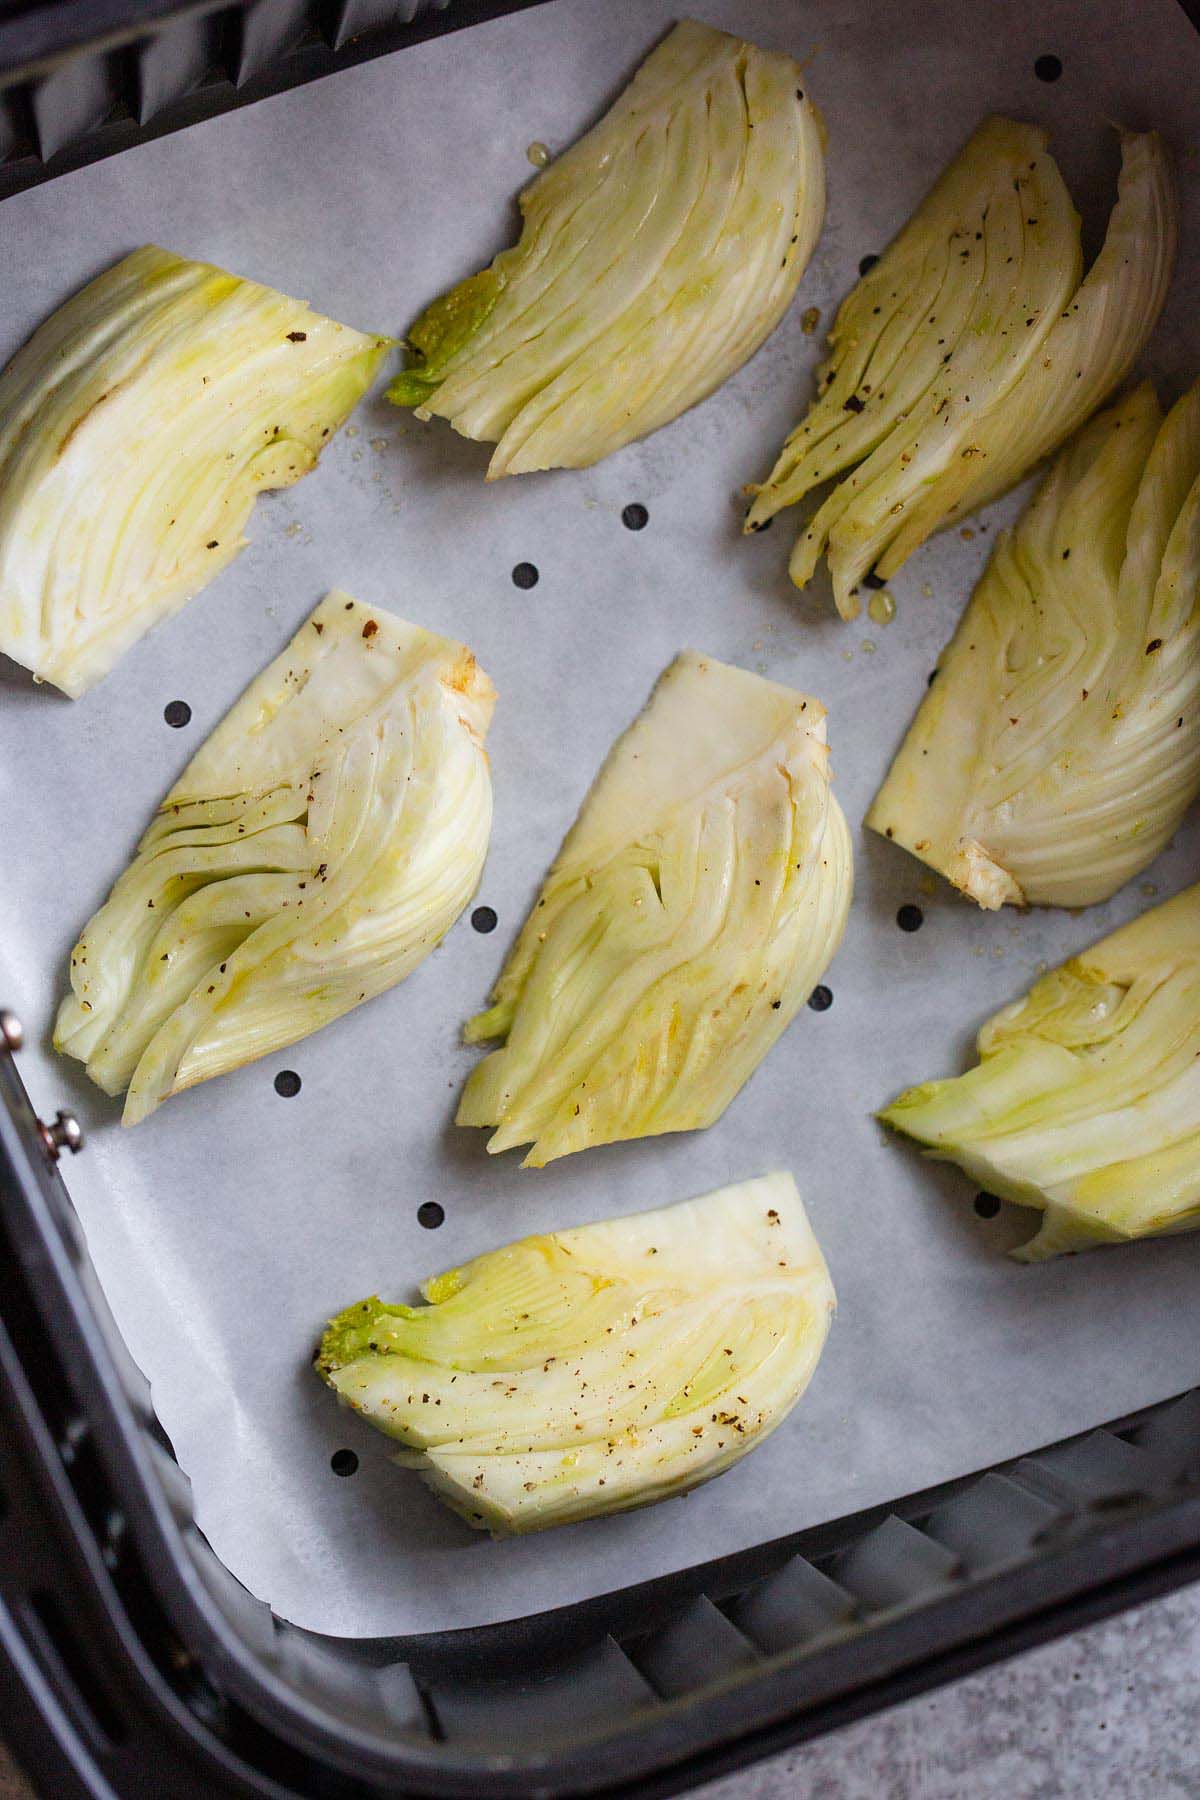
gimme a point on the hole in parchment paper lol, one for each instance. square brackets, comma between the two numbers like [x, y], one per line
[821, 999]
[867, 264]
[344, 1462]
[525, 575]
[987, 1205]
[634, 517]
[910, 918]
[287, 1083]
[1048, 68]
[430, 1214]
[177, 713]
[484, 918]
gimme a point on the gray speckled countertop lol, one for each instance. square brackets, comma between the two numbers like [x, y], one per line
[1112, 1713]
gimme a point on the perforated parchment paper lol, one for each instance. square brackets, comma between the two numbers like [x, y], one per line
[228, 1227]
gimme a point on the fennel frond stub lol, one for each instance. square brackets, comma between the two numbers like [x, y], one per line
[655, 256]
[314, 851]
[1058, 748]
[137, 427]
[695, 903]
[971, 350]
[1086, 1100]
[589, 1371]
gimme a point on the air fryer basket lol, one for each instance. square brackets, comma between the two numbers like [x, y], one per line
[135, 1663]
[81, 80]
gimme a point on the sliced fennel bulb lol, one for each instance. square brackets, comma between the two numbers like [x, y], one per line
[313, 852]
[695, 903]
[136, 428]
[1059, 746]
[970, 351]
[1086, 1101]
[599, 1369]
[655, 256]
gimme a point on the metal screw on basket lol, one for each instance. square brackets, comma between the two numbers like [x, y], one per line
[66, 1133]
[12, 1032]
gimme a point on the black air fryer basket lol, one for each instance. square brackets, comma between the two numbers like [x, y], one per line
[134, 1663]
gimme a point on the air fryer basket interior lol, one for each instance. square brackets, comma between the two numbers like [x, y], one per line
[908, 1511]
[140, 1661]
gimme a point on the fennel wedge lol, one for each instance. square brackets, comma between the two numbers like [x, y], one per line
[137, 426]
[695, 903]
[1058, 748]
[1086, 1100]
[590, 1371]
[313, 852]
[970, 351]
[655, 256]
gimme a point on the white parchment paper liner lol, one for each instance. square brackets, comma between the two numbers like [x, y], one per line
[227, 1228]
